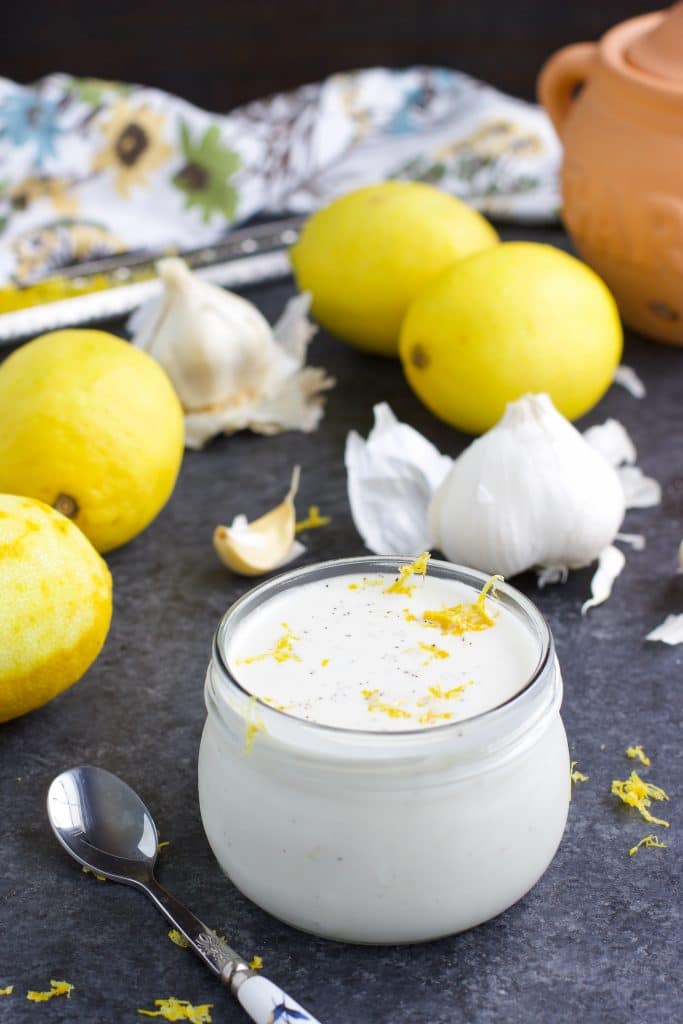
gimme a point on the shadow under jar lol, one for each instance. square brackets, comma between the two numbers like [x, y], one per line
[377, 834]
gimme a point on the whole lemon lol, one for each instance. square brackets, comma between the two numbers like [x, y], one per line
[366, 255]
[93, 427]
[56, 604]
[521, 317]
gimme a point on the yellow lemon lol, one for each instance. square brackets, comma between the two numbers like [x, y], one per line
[518, 318]
[367, 254]
[56, 604]
[93, 427]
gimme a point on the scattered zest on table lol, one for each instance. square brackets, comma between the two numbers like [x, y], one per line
[639, 794]
[89, 871]
[637, 752]
[575, 775]
[313, 520]
[649, 841]
[7, 990]
[256, 963]
[57, 988]
[180, 1009]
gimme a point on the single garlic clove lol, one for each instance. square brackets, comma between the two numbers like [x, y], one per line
[251, 549]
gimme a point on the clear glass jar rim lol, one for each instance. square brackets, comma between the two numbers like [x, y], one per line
[385, 563]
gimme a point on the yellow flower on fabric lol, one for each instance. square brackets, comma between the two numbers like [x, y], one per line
[55, 189]
[134, 146]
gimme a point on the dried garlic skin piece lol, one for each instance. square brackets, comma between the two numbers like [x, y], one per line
[668, 632]
[530, 492]
[251, 549]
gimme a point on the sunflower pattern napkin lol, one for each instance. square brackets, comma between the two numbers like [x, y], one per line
[89, 167]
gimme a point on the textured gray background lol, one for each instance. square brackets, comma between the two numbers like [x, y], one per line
[598, 939]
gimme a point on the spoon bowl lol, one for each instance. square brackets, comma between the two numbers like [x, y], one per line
[103, 824]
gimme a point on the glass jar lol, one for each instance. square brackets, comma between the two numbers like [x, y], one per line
[384, 837]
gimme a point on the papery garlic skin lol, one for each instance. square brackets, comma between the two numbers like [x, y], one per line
[530, 492]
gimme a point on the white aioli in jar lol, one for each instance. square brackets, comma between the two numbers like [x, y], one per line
[399, 831]
[351, 652]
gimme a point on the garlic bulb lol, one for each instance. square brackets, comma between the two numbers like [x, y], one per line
[530, 492]
[229, 368]
[210, 342]
[252, 549]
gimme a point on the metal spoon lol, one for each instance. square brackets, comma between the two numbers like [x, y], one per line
[105, 826]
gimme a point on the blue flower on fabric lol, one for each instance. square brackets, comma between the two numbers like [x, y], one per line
[26, 118]
[417, 100]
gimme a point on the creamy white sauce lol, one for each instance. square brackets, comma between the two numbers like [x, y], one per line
[351, 656]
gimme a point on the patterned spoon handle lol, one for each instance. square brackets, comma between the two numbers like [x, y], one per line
[267, 1004]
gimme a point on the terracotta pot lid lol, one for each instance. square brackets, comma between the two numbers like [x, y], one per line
[659, 51]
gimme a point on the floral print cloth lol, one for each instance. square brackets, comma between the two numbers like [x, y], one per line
[89, 167]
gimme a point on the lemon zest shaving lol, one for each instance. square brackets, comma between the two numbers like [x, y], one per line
[324, 663]
[408, 615]
[161, 846]
[54, 289]
[374, 704]
[651, 841]
[437, 693]
[637, 752]
[89, 871]
[180, 1009]
[7, 991]
[400, 584]
[367, 581]
[575, 775]
[637, 793]
[392, 710]
[57, 988]
[433, 651]
[274, 704]
[178, 938]
[256, 963]
[434, 716]
[282, 651]
[253, 729]
[464, 618]
[313, 520]
[253, 725]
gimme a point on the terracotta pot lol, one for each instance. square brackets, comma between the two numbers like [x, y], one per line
[618, 108]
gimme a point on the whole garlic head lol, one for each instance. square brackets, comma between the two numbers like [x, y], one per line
[531, 492]
[213, 344]
[230, 369]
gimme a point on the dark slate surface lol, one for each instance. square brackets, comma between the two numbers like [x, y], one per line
[598, 939]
